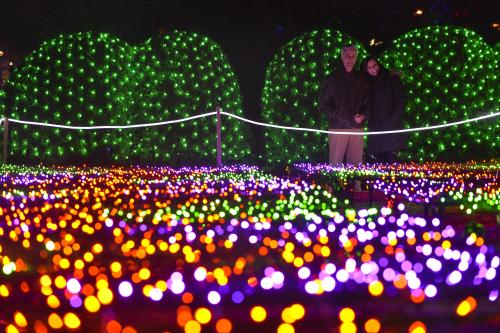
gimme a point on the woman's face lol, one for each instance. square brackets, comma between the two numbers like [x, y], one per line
[372, 67]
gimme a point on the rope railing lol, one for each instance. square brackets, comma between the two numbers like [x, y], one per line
[416, 129]
[5, 121]
[304, 129]
[167, 122]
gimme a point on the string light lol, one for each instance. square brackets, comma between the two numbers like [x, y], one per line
[416, 129]
[168, 122]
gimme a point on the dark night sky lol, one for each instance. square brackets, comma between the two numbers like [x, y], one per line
[249, 31]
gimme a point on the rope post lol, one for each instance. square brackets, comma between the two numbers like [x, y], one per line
[5, 137]
[219, 140]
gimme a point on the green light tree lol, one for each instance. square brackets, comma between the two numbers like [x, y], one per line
[291, 92]
[77, 80]
[176, 76]
[451, 74]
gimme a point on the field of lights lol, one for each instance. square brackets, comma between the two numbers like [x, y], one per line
[249, 249]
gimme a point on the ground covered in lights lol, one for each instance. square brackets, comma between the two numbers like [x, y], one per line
[248, 249]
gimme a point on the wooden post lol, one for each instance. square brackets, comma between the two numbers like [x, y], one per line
[219, 140]
[5, 138]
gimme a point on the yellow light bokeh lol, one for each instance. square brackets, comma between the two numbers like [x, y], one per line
[4, 291]
[20, 319]
[287, 316]
[53, 301]
[79, 264]
[348, 327]
[11, 329]
[192, 326]
[97, 248]
[161, 285]
[60, 282]
[347, 315]
[88, 257]
[466, 306]
[105, 296]
[64, 263]
[102, 284]
[144, 274]
[376, 288]
[463, 309]
[285, 328]
[71, 320]
[203, 315]
[298, 311]
[45, 281]
[258, 313]
[92, 304]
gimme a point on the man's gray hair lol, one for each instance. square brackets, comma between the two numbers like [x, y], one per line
[349, 47]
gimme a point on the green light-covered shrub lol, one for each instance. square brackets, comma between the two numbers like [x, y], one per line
[79, 80]
[180, 75]
[451, 74]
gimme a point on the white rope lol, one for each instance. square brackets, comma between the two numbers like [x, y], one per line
[112, 126]
[426, 128]
[361, 132]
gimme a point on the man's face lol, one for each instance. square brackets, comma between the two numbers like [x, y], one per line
[349, 59]
[372, 67]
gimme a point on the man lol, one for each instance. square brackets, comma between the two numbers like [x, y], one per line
[343, 100]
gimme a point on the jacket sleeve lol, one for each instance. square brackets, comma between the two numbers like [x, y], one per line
[326, 100]
[399, 99]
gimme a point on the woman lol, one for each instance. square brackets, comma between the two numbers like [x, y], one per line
[387, 98]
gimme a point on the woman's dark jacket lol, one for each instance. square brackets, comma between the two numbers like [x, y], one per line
[387, 99]
[342, 96]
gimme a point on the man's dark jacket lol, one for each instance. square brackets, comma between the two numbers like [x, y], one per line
[342, 96]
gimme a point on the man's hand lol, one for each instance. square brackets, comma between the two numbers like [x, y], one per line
[359, 118]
